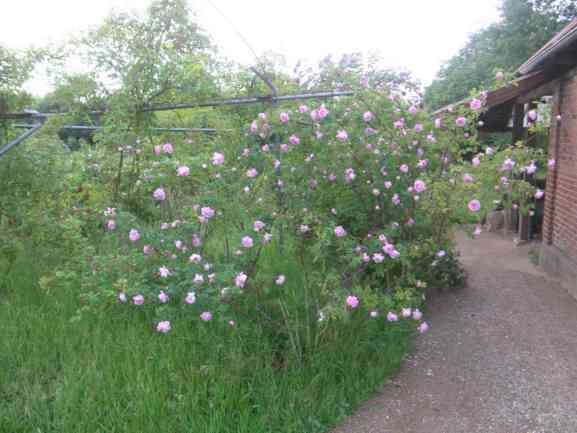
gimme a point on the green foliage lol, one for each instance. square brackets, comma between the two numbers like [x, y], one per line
[449, 272]
[15, 69]
[502, 46]
[148, 59]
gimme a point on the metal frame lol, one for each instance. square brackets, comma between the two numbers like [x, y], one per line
[33, 130]
[272, 99]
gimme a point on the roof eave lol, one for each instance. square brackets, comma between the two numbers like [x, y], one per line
[547, 52]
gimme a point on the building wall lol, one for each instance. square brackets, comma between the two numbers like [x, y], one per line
[559, 250]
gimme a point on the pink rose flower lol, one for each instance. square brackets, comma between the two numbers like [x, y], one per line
[207, 212]
[190, 298]
[342, 135]
[476, 104]
[183, 171]
[419, 186]
[240, 280]
[164, 272]
[133, 235]
[159, 194]
[322, 112]
[217, 158]
[258, 226]
[163, 327]
[294, 140]
[474, 205]
[247, 242]
[352, 302]
[378, 258]
[423, 327]
[340, 231]
[163, 298]
[206, 316]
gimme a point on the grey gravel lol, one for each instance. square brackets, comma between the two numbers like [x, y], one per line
[501, 355]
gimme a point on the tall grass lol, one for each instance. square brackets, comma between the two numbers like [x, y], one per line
[109, 373]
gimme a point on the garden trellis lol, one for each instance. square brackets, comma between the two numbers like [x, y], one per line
[273, 98]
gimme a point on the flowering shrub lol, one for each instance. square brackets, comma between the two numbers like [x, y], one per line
[314, 217]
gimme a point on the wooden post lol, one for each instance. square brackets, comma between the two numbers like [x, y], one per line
[511, 215]
[518, 127]
[520, 134]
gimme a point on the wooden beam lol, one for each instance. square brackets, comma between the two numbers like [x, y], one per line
[547, 89]
[518, 128]
[517, 88]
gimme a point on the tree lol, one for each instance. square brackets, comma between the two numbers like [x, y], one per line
[74, 93]
[525, 26]
[145, 60]
[15, 69]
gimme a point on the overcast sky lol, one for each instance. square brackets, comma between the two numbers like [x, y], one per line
[417, 35]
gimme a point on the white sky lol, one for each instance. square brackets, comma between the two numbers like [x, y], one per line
[417, 35]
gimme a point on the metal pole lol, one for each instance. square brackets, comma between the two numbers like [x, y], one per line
[249, 100]
[21, 138]
[214, 103]
[99, 128]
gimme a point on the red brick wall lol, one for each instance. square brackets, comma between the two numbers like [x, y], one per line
[560, 222]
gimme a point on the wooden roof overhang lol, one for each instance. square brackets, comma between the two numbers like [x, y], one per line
[500, 102]
[537, 77]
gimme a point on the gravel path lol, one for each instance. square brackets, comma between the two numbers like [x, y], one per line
[501, 356]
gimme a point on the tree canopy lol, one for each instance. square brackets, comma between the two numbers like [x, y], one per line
[525, 26]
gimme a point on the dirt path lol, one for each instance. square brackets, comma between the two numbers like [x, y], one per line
[501, 356]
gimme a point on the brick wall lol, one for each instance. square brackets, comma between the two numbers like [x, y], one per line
[560, 222]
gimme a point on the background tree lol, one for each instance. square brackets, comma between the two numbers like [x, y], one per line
[151, 59]
[15, 69]
[525, 26]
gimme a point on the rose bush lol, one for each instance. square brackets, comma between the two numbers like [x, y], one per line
[338, 199]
